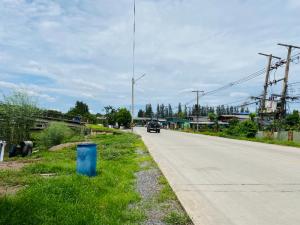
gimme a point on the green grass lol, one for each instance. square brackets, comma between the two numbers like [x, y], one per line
[100, 128]
[175, 218]
[261, 140]
[71, 199]
[166, 193]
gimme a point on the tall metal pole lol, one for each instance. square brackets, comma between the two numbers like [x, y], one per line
[268, 69]
[133, 69]
[132, 101]
[197, 110]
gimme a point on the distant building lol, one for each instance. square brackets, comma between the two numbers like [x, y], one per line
[240, 117]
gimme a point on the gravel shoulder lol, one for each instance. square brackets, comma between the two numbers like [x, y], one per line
[158, 199]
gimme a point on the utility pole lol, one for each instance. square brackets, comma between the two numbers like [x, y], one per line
[197, 92]
[133, 68]
[285, 80]
[132, 101]
[268, 69]
[133, 82]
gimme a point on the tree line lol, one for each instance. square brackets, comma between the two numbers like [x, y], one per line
[19, 112]
[183, 111]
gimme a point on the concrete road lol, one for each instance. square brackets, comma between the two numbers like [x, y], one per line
[224, 182]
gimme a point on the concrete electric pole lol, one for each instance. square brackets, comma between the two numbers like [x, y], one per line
[197, 109]
[285, 80]
[268, 69]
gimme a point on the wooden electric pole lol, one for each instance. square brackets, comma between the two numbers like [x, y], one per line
[197, 109]
[282, 112]
[263, 100]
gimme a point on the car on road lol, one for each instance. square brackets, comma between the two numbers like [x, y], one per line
[153, 126]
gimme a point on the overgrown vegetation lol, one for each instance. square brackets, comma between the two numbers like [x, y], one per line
[18, 113]
[57, 133]
[247, 128]
[67, 198]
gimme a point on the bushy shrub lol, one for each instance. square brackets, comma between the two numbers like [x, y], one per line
[246, 128]
[55, 134]
[124, 117]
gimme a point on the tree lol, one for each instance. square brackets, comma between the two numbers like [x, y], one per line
[53, 113]
[162, 111]
[293, 119]
[110, 114]
[149, 111]
[80, 109]
[185, 112]
[246, 128]
[18, 115]
[252, 116]
[212, 117]
[158, 111]
[166, 112]
[141, 113]
[123, 117]
[242, 109]
[179, 108]
[170, 111]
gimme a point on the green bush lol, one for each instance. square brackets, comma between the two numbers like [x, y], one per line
[55, 134]
[246, 128]
[124, 117]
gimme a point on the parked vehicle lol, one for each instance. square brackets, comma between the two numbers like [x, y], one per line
[76, 119]
[153, 126]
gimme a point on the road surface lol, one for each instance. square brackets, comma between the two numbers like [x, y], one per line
[229, 182]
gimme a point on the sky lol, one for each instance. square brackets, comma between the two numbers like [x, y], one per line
[60, 51]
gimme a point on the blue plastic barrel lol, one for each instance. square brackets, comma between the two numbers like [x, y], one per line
[87, 159]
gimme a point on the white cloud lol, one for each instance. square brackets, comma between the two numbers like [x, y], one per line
[83, 49]
[28, 90]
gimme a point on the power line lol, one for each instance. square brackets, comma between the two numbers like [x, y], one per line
[256, 74]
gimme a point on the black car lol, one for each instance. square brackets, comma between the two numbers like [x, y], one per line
[153, 126]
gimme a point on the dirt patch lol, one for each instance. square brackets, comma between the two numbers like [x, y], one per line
[12, 165]
[16, 165]
[9, 190]
[65, 145]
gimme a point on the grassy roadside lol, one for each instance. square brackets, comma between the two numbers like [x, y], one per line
[261, 140]
[50, 191]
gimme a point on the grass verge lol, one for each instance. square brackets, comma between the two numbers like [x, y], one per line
[261, 140]
[70, 199]
[50, 191]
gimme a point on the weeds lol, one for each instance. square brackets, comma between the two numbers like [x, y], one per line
[175, 218]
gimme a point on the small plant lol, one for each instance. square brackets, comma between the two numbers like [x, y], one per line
[175, 218]
[55, 134]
